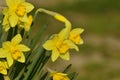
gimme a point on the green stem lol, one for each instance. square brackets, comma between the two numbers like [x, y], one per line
[10, 34]
[20, 74]
[56, 15]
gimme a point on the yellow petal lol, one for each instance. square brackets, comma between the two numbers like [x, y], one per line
[66, 56]
[6, 45]
[4, 72]
[9, 59]
[55, 54]
[17, 39]
[22, 58]
[13, 19]
[6, 64]
[24, 18]
[19, 1]
[2, 68]
[75, 35]
[71, 45]
[9, 3]
[60, 76]
[77, 31]
[5, 11]
[29, 7]
[81, 41]
[5, 20]
[49, 45]
[7, 27]
[22, 47]
[64, 33]
[2, 53]
[28, 23]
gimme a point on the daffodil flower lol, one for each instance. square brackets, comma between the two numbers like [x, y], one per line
[60, 45]
[59, 76]
[3, 67]
[26, 25]
[16, 11]
[13, 50]
[75, 35]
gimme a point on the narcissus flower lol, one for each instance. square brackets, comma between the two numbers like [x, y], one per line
[3, 67]
[60, 45]
[75, 35]
[13, 50]
[26, 25]
[59, 76]
[16, 11]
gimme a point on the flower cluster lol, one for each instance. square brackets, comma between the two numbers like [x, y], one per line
[16, 20]
[66, 39]
[14, 15]
[61, 42]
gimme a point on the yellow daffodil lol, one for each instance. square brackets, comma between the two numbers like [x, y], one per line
[75, 36]
[13, 50]
[3, 67]
[60, 45]
[26, 25]
[16, 11]
[59, 76]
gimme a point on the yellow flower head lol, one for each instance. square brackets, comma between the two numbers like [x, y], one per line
[13, 50]
[3, 67]
[75, 36]
[26, 25]
[60, 45]
[59, 76]
[17, 10]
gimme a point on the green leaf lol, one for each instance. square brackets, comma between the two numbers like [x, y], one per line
[36, 38]
[67, 68]
[35, 62]
[73, 76]
[10, 34]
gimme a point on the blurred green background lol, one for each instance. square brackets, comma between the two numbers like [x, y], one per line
[99, 56]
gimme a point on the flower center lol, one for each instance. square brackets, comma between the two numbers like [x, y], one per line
[20, 10]
[62, 47]
[15, 53]
[75, 38]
